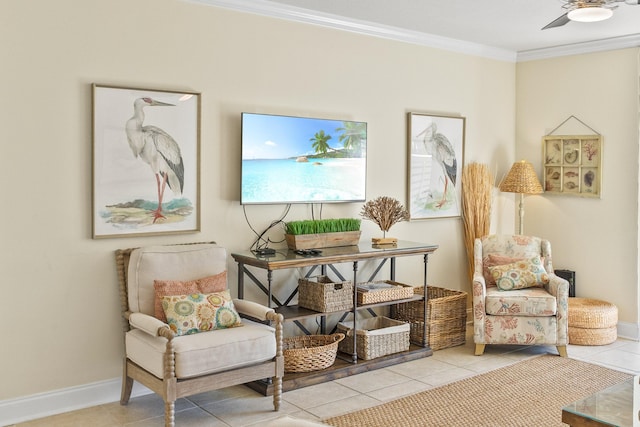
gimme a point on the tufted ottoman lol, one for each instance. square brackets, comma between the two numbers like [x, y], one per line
[592, 321]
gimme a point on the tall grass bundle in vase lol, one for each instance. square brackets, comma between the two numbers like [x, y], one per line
[477, 185]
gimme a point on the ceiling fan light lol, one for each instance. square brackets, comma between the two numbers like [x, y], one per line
[590, 14]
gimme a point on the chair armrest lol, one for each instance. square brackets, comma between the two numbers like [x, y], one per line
[479, 292]
[148, 324]
[479, 289]
[252, 309]
[557, 286]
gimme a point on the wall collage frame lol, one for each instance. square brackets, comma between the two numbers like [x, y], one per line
[573, 165]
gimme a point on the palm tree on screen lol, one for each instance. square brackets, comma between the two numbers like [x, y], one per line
[319, 142]
[354, 134]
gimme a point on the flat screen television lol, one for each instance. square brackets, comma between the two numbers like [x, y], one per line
[289, 159]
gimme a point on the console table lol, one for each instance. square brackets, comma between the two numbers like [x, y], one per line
[288, 259]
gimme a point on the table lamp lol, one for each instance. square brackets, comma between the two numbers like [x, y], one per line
[521, 179]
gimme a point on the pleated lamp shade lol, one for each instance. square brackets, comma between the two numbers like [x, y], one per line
[521, 179]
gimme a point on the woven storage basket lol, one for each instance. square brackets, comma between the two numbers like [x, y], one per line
[308, 353]
[446, 317]
[375, 337]
[592, 322]
[397, 291]
[595, 336]
[321, 294]
[591, 313]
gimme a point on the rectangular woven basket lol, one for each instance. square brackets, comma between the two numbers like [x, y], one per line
[321, 294]
[391, 291]
[446, 317]
[375, 337]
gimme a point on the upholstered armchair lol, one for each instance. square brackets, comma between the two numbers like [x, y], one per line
[183, 332]
[517, 298]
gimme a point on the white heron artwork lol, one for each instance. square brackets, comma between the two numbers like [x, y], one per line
[442, 151]
[158, 149]
[436, 144]
[146, 161]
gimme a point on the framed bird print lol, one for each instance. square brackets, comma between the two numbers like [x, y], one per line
[436, 150]
[146, 162]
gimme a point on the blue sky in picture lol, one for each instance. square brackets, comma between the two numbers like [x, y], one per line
[279, 137]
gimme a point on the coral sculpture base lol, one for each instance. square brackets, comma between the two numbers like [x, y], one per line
[384, 240]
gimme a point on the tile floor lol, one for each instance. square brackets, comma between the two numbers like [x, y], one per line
[240, 406]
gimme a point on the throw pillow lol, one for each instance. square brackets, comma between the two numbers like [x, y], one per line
[190, 314]
[205, 285]
[492, 260]
[520, 274]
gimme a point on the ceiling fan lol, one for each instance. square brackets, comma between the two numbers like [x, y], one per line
[587, 11]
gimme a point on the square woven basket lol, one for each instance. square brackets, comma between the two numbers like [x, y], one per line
[375, 337]
[446, 317]
[321, 294]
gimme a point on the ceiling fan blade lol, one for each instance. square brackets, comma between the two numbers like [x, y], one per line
[558, 22]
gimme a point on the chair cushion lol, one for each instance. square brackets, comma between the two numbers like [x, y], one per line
[204, 353]
[205, 285]
[193, 313]
[521, 274]
[174, 262]
[520, 302]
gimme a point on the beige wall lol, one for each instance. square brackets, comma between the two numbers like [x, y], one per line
[59, 288]
[597, 238]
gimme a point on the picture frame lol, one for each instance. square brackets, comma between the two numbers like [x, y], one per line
[572, 165]
[146, 161]
[435, 161]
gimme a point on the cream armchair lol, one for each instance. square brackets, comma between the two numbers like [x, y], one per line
[531, 316]
[173, 365]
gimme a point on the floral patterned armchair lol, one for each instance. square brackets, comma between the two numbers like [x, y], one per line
[534, 311]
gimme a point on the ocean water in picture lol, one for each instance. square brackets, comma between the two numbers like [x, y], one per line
[290, 181]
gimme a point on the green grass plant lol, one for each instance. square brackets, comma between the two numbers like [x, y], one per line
[318, 226]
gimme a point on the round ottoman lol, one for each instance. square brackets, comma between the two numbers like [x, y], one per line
[592, 322]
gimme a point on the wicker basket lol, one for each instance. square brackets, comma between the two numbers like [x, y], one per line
[594, 336]
[321, 294]
[592, 321]
[446, 317]
[308, 353]
[375, 337]
[371, 293]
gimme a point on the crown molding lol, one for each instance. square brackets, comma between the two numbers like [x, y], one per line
[291, 13]
[296, 14]
[613, 43]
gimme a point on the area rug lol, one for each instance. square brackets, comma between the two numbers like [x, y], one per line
[528, 393]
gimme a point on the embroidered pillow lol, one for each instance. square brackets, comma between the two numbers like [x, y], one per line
[492, 260]
[190, 314]
[205, 285]
[520, 274]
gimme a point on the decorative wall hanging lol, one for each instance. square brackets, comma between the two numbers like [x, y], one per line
[573, 163]
[146, 161]
[436, 149]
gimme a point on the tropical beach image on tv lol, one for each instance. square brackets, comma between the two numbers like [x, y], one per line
[289, 159]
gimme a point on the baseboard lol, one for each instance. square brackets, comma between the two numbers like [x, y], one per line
[41, 405]
[629, 331]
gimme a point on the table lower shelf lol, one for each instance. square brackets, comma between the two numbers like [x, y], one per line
[340, 369]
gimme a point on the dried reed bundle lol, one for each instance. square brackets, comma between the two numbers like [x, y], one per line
[477, 184]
